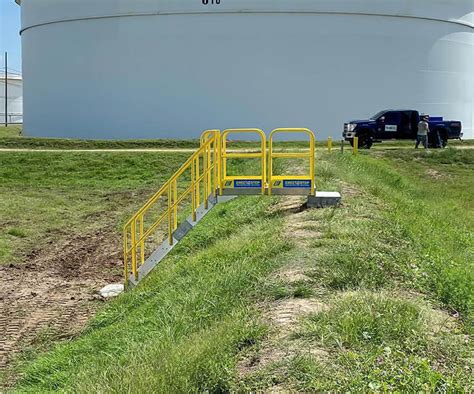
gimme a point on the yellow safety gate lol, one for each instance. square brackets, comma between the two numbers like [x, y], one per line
[202, 178]
[291, 184]
[243, 184]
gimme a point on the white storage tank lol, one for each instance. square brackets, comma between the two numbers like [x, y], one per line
[171, 68]
[14, 96]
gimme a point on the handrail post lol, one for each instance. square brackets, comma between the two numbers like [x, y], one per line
[125, 255]
[312, 157]
[193, 189]
[270, 165]
[198, 182]
[142, 242]
[263, 148]
[355, 148]
[329, 144]
[342, 146]
[170, 216]
[223, 149]
[134, 248]
[205, 174]
[175, 209]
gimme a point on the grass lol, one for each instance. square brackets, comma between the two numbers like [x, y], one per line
[47, 197]
[172, 339]
[393, 265]
[11, 131]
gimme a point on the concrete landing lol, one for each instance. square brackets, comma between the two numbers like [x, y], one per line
[324, 200]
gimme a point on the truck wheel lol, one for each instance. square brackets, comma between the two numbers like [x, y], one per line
[444, 140]
[365, 141]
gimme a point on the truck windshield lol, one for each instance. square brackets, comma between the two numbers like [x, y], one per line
[377, 115]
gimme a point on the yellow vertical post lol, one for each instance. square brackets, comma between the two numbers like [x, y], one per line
[329, 144]
[134, 247]
[270, 166]
[125, 255]
[264, 165]
[224, 162]
[175, 199]
[355, 148]
[204, 179]
[142, 242]
[215, 170]
[170, 216]
[193, 189]
[208, 171]
[198, 182]
[219, 163]
[312, 154]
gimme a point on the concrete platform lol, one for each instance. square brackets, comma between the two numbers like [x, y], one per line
[324, 200]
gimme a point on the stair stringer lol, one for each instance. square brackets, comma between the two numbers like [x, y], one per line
[183, 229]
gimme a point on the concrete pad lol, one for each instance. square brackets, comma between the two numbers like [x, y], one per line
[324, 199]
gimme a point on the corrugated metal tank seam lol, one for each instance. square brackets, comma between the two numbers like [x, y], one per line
[162, 13]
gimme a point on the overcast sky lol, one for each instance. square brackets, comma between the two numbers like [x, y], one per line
[9, 34]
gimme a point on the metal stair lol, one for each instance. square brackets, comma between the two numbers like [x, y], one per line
[204, 178]
[183, 229]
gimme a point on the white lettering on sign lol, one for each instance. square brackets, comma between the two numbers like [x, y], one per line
[390, 127]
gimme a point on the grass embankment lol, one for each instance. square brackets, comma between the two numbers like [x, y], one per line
[181, 329]
[393, 267]
[46, 197]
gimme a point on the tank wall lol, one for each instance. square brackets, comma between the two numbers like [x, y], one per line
[15, 100]
[175, 75]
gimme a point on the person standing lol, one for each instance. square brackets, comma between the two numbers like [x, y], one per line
[423, 130]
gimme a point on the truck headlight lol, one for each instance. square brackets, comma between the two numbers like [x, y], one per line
[351, 127]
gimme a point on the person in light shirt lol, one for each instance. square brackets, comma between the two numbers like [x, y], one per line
[423, 130]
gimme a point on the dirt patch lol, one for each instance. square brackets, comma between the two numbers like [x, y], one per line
[432, 173]
[292, 275]
[284, 317]
[350, 190]
[285, 314]
[55, 289]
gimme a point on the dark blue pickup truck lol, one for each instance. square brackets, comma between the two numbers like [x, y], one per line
[400, 125]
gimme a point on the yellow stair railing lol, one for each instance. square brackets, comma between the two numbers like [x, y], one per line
[201, 174]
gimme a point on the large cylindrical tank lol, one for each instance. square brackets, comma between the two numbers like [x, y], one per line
[14, 101]
[171, 68]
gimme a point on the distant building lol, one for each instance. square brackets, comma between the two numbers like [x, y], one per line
[169, 69]
[14, 99]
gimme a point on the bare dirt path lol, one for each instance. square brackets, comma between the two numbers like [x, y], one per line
[97, 150]
[54, 292]
[191, 150]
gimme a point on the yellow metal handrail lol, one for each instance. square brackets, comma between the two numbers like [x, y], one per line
[310, 155]
[135, 233]
[262, 154]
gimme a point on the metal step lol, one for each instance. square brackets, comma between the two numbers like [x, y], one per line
[183, 229]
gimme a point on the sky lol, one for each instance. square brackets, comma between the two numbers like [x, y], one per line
[9, 34]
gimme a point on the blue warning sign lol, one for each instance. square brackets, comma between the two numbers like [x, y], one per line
[247, 183]
[297, 183]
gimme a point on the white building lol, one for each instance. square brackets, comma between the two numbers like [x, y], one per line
[171, 68]
[14, 98]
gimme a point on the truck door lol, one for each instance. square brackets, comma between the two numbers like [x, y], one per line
[407, 126]
[391, 125]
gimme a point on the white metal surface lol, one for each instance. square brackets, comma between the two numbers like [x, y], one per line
[15, 98]
[169, 68]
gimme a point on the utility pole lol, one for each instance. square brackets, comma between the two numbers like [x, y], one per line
[6, 89]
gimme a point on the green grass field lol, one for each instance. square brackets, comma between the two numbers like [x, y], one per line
[392, 270]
